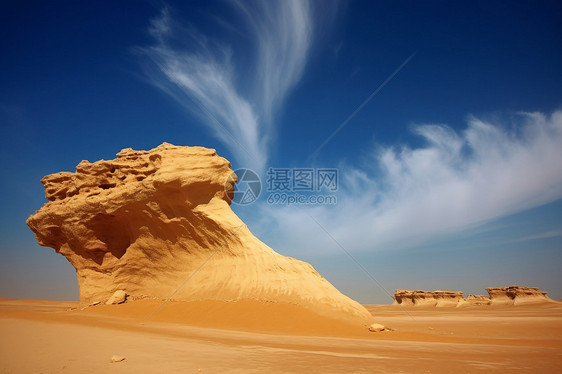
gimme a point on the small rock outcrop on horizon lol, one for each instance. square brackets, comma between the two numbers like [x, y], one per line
[512, 295]
[428, 298]
[149, 221]
[516, 295]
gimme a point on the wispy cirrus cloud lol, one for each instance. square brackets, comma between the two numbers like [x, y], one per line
[543, 235]
[405, 196]
[201, 74]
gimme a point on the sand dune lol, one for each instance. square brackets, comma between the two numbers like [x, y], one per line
[46, 336]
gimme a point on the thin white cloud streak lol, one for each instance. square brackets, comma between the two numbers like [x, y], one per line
[408, 196]
[544, 235]
[198, 71]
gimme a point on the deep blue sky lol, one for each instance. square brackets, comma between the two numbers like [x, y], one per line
[83, 80]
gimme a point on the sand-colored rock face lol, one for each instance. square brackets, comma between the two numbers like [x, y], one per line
[428, 298]
[448, 298]
[414, 297]
[515, 295]
[148, 221]
[478, 299]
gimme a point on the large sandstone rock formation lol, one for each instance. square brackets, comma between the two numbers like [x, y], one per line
[516, 295]
[428, 298]
[156, 222]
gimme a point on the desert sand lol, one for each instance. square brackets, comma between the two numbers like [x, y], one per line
[192, 337]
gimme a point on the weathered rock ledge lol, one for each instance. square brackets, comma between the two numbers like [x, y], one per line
[428, 298]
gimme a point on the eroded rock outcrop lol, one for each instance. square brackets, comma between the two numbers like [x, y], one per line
[428, 298]
[478, 299]
[512, 295]
[148, 221]
[516, 295]
[448, 298]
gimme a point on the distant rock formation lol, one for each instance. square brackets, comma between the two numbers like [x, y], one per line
[516, 295]
[428, 298]
[412, 297]
[158, 224]
[512, 295]
[478, 299]
[448, 298]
